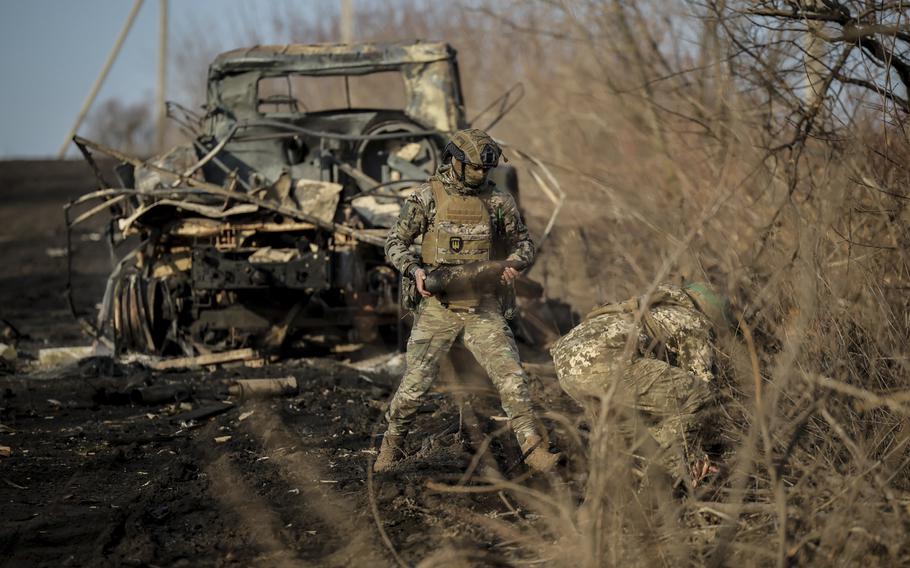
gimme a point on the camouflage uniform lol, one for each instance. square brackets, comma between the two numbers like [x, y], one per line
[418, 214]
[482, 327]
[665, 373]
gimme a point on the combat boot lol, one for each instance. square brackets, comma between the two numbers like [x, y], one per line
[390, 451]
[539, 459]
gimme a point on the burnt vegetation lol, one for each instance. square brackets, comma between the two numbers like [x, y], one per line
[761, 146]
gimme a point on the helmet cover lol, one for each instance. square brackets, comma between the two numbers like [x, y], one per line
[473, 147]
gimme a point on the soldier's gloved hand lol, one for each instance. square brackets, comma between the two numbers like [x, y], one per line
[509, 275]
[419, 276]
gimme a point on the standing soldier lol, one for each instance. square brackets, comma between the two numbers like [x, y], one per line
[661, 367]
[462, 217]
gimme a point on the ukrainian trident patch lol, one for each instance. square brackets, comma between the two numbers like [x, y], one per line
[456, 244]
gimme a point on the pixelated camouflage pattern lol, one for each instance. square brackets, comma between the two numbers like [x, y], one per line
[487, 336]
[683, 330]
[665, 373]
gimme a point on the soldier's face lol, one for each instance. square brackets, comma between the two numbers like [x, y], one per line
[473, 175]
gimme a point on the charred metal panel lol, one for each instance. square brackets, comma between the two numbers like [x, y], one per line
[433, 97]
[433, 90]
[329, 58]
[216, 270]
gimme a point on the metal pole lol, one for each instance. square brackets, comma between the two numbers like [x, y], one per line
[347, 21]
[162, 78]
[112, 56]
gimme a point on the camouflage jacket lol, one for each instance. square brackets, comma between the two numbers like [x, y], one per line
[673, 329]
[418, 215]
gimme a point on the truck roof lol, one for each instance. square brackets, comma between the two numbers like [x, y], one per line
[329, 58]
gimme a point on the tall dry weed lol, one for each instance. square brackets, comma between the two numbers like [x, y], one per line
[689, 150]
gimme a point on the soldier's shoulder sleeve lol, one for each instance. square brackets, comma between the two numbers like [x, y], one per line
[423, 195]
[507, 209]
[694, 340]
[502, 198]
[418, 206]
[674, 295]
[412, 222]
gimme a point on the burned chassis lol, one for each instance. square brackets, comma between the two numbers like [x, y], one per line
[272, 224]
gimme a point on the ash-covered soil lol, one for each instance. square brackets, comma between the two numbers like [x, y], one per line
[95, 478]
[33, 275]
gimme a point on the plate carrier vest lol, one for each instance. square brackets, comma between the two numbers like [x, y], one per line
[462, 230]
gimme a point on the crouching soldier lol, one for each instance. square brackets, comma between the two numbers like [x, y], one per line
[662, 367]
[463, 217]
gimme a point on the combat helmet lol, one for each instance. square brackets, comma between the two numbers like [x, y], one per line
[714, 305]
[474, 147]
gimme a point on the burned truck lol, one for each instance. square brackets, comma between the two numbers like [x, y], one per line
[270, 223]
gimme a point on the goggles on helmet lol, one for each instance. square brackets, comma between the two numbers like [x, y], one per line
[489, 155]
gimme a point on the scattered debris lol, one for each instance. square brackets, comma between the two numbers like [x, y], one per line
[249, 388]
[59, 356]
[125, 440]
[200, 360]
[246, 415]
[388, 363]
[5, 451]
[222, 439]
[256, 363]
[8, 353]
[13, 485]
[55, 252]
[203, 412]
[160, 394]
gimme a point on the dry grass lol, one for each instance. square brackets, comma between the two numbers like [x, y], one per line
[655, 124]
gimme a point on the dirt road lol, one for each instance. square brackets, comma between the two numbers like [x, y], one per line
[95, 478]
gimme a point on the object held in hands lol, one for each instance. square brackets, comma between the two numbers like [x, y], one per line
[472, 277]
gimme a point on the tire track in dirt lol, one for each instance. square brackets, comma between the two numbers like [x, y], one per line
[262, 525]
[345, 518]
[199, 506]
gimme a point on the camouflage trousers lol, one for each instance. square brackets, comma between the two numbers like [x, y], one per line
[666, 400]
[487, 336]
